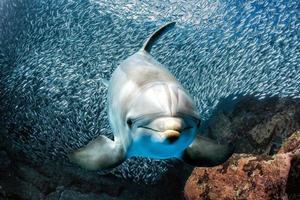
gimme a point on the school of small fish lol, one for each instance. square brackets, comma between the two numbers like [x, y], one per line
[54, 54]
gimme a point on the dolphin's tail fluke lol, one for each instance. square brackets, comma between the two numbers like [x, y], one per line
[150, 41]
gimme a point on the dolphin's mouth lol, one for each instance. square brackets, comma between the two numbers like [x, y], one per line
[169, 135]
[152, 129]
[146, 127]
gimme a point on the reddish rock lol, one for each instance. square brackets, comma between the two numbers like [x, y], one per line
[292, 145]
[245, 176]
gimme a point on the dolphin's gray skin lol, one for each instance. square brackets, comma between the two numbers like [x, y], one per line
[151, 116]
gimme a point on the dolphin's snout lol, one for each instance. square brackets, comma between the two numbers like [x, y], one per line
[171, 135]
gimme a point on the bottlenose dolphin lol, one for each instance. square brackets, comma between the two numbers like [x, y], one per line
[151, 115]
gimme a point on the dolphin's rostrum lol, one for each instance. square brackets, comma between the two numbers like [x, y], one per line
[151, 115]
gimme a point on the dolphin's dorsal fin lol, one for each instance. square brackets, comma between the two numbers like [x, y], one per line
[105, 82]
[150, 41]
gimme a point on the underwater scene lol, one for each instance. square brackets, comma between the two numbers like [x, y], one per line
[149, 100]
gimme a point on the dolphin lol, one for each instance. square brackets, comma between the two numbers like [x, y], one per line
[151, 115]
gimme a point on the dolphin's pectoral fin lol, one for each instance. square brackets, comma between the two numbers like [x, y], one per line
[204, 152]
[101, 153]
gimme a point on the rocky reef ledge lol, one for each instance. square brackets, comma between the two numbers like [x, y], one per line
[249, 176]
[266, 164]
[20, 180]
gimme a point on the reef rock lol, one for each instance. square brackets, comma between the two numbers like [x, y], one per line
[22, 180]
[256, 126]
[248, 176]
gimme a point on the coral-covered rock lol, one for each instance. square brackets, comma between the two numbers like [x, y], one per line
[293, 185]
[292, 145]
[246, 176]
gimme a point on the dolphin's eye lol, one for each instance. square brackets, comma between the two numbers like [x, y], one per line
[199, 123]
[129, 122]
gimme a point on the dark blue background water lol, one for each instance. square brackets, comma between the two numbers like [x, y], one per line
[53, 55]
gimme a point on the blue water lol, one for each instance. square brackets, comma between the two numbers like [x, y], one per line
[53, 55]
